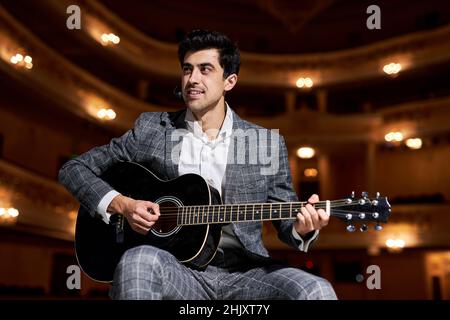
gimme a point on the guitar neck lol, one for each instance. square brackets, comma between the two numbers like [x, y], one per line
[196, 215]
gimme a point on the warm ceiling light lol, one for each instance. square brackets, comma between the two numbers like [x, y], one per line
[392, 68]
[305, 152]
[310, 172]
[12, 212]
[414, 143]
[395, 243]
[393, 137]
[304, 82]
[108, 38]
[21, 61]
[106, 114]
[9, 215]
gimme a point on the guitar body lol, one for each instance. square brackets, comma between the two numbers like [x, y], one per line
[99, 246]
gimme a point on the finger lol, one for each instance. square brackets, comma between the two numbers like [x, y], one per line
[301, 219]
[140, 229]
[144, 213]
[323, 217]
[313, 199]
[153, 207]
[142, 221]
[314, 216]
[308, 223]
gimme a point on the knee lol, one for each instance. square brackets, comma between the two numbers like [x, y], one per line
[143, 257]
[140, 273]
[306, 286]
[324, 290]
[319, 289]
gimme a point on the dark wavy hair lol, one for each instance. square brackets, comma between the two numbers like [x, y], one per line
[200, 39]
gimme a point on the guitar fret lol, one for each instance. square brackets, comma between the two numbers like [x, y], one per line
[270, 211]
[253, 213]
[182, 215]
[203, 214]
[197, 214]
[189, 216]
[259, 212]
[222, 214]
[284, 211]
[233, 214]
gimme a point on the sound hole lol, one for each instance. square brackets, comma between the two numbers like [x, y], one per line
[167, 221]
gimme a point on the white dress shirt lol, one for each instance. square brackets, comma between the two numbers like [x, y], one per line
[207, 158]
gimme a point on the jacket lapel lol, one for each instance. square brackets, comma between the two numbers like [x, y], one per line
[173, 142]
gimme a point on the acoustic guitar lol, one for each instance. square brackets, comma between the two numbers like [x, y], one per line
[192, 216]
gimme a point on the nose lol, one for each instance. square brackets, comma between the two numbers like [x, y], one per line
[195, 76]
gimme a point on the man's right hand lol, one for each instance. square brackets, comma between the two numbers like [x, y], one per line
[141, 215]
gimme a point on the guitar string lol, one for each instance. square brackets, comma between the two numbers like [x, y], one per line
[216, 216]
[197, 219]
[167, 211]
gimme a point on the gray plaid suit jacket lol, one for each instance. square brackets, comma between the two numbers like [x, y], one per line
[150, 142]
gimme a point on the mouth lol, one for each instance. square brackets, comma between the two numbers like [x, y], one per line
[194, 93]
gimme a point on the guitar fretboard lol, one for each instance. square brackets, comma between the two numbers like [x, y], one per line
[195, 215]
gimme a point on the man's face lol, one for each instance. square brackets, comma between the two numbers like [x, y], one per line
[202, 80]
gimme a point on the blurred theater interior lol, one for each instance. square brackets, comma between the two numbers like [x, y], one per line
[372, 106]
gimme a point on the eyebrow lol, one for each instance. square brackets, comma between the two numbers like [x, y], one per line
[206, 64]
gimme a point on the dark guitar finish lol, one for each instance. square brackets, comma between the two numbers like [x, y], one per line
[96, 244]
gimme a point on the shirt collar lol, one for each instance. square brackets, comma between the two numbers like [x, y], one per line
[194, 127]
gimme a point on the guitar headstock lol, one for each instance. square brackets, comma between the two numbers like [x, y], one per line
[353, 210]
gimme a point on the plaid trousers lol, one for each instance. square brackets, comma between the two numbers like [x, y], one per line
[149, 273]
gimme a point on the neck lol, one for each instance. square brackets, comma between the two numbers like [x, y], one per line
[212, 118]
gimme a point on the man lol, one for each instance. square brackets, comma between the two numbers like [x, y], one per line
[241, 268]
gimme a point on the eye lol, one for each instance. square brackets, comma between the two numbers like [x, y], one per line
[205, 70]
[187, 70]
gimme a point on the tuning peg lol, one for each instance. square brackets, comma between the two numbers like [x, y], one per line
[363, 228]
[351, 228]
[377, 195]
[378, 227]
[365, 194]
[353, 194]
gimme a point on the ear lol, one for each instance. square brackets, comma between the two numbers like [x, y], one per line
[230, 81]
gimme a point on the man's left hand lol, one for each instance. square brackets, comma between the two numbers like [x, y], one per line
[310, 219]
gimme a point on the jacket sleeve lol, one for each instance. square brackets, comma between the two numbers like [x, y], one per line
[81, 175]
[281, 190]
